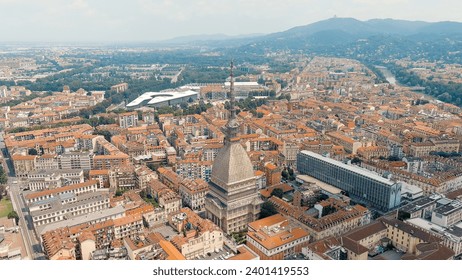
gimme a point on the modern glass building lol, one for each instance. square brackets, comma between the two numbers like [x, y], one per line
[361, 185]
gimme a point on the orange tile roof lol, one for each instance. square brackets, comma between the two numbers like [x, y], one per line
[322, 246]
[267, 192]
[145, 208]
[86, 235]
[259, 173]
[99, 172]
[127, 220]
[278, 240]
[21, 157]
[171, 251]
[244, 254]
[270, 166]
[268, 221]
[340, 136]
[120, 155]
[62, 189]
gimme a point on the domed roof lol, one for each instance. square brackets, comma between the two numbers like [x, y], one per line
[232, 165]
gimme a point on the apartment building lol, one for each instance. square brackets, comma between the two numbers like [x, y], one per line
[167, 198]
[101, 162]
[373, 152]
[290, 151]
[193, 193]
[194, 169]
[169, 178]
[200, 237]
[151, 247]
[23, 164]
[128, 226]
[129, 119]
[447, 215]
[334, 217]
[351, 146]
[76, 160]
[64, 242]
[318, 146]
[58, 245]
[365, 242]
[41, 179]
[47, 162]
[274, 238]
[272, 174]
[406, 237]
[102, 176]
[143, 175]
[123, 178]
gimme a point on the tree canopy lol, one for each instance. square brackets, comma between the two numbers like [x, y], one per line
[267, 209]
[277, 192]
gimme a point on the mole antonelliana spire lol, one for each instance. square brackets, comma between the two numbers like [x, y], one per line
[232, 126]
[232, 201]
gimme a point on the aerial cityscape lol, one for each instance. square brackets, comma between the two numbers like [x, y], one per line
[340, 139]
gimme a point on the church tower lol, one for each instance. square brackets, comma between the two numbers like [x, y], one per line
[232, 201]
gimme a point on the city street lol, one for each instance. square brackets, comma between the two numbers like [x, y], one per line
[33, 247]
[32, 243]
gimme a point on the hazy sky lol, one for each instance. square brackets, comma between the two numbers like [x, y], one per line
[150, 20]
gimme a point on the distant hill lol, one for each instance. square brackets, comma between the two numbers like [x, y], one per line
[356, 29]
[348, 25]
[443, 27]
[326, 32]
[207, 38]
[371, 40]
[393, 26]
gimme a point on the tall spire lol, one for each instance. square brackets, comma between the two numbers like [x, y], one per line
[232, 99]
[232, 126]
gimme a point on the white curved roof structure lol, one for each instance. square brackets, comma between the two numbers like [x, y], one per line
[153, 98]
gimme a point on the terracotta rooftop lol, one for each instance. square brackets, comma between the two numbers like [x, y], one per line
[21, 157]
[61, 190]
[434, 251]
[244, 254]
[270, 166]
[353, 246]
[367, 230]
[259, 173]
[268, 221]
[171, 251]
[54, 241]
[267, 192]
[86, 235]
[322, 246]
[275, 241]
[127, 220]
[95, 172]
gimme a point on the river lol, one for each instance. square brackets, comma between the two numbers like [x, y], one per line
[388, 75]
